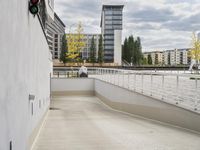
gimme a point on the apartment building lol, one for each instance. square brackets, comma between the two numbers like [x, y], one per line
[156, 56]
[170, 57]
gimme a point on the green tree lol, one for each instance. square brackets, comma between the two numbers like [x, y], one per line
[92, 51]
[149, 60]
[100, 51]
[125, 50]
[131, 52]
[63, 54]
[144, 60]
[138, 51]
[75, 43]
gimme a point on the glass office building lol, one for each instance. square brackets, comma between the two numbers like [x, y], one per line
[111, 28]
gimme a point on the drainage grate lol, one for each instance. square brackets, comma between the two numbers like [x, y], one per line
[52, 108]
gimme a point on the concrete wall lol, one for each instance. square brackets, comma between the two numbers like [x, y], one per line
[25, 64]
[72, 86]
[134, 103]
[118, 47]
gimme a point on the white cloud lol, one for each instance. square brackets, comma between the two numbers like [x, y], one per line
[161, 24]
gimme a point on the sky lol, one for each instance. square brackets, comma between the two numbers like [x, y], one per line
[161, 24]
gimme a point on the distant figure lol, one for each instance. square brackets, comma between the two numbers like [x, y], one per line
[193, 62]
[83, 72]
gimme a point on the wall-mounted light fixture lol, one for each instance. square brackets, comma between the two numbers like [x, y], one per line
[31, 97]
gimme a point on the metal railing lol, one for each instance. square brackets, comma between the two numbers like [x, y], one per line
[179, 88]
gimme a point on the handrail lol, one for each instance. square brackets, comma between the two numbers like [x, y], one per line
[181, 89]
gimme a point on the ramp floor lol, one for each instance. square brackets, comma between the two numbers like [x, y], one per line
[84, 123]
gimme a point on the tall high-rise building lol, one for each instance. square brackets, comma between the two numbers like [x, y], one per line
[111, 29]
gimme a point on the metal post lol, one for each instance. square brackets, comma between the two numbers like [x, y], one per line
[128, 81]
[163, 79]
[196, 83]
[151, 85]
[123, 80]
[142, 82]
[177, 82]
[135, 82]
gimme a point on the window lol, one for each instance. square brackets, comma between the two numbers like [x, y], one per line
[109, 31]
[109, 12]
[108, 27]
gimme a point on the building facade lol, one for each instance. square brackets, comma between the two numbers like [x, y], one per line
[55, 29]
[111, 29]
[88, 41]
[156, 56]
[170, 57]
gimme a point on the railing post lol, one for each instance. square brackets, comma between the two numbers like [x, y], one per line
[163, 80]
[118, 78]
[135, 82]
[123, 80]
[151, 85]
[58, 74]
[177, 82]
[142, 82]
[128, 81]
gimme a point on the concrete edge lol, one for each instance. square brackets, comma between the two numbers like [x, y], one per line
[71, 93]
[117, 107]
[36, 131]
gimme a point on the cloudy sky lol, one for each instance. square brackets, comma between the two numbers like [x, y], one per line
[161, 24]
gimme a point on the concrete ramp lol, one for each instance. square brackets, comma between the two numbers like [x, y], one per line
[85, 123]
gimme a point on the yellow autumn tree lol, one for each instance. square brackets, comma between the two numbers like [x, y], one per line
[75, 42]
[195, 50]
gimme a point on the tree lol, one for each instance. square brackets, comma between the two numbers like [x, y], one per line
[138, 51]
[100, 51]
[149, 60]
[75, 43]
[144, 60]
[132, 50]
[125, 50]
[63, 54]
[92, 51]
[195, 51]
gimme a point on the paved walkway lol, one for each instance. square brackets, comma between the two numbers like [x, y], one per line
[84, 123]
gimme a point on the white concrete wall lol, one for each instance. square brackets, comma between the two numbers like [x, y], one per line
[72, 86]
[118, 47]
[25, 67]
[134, 103]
